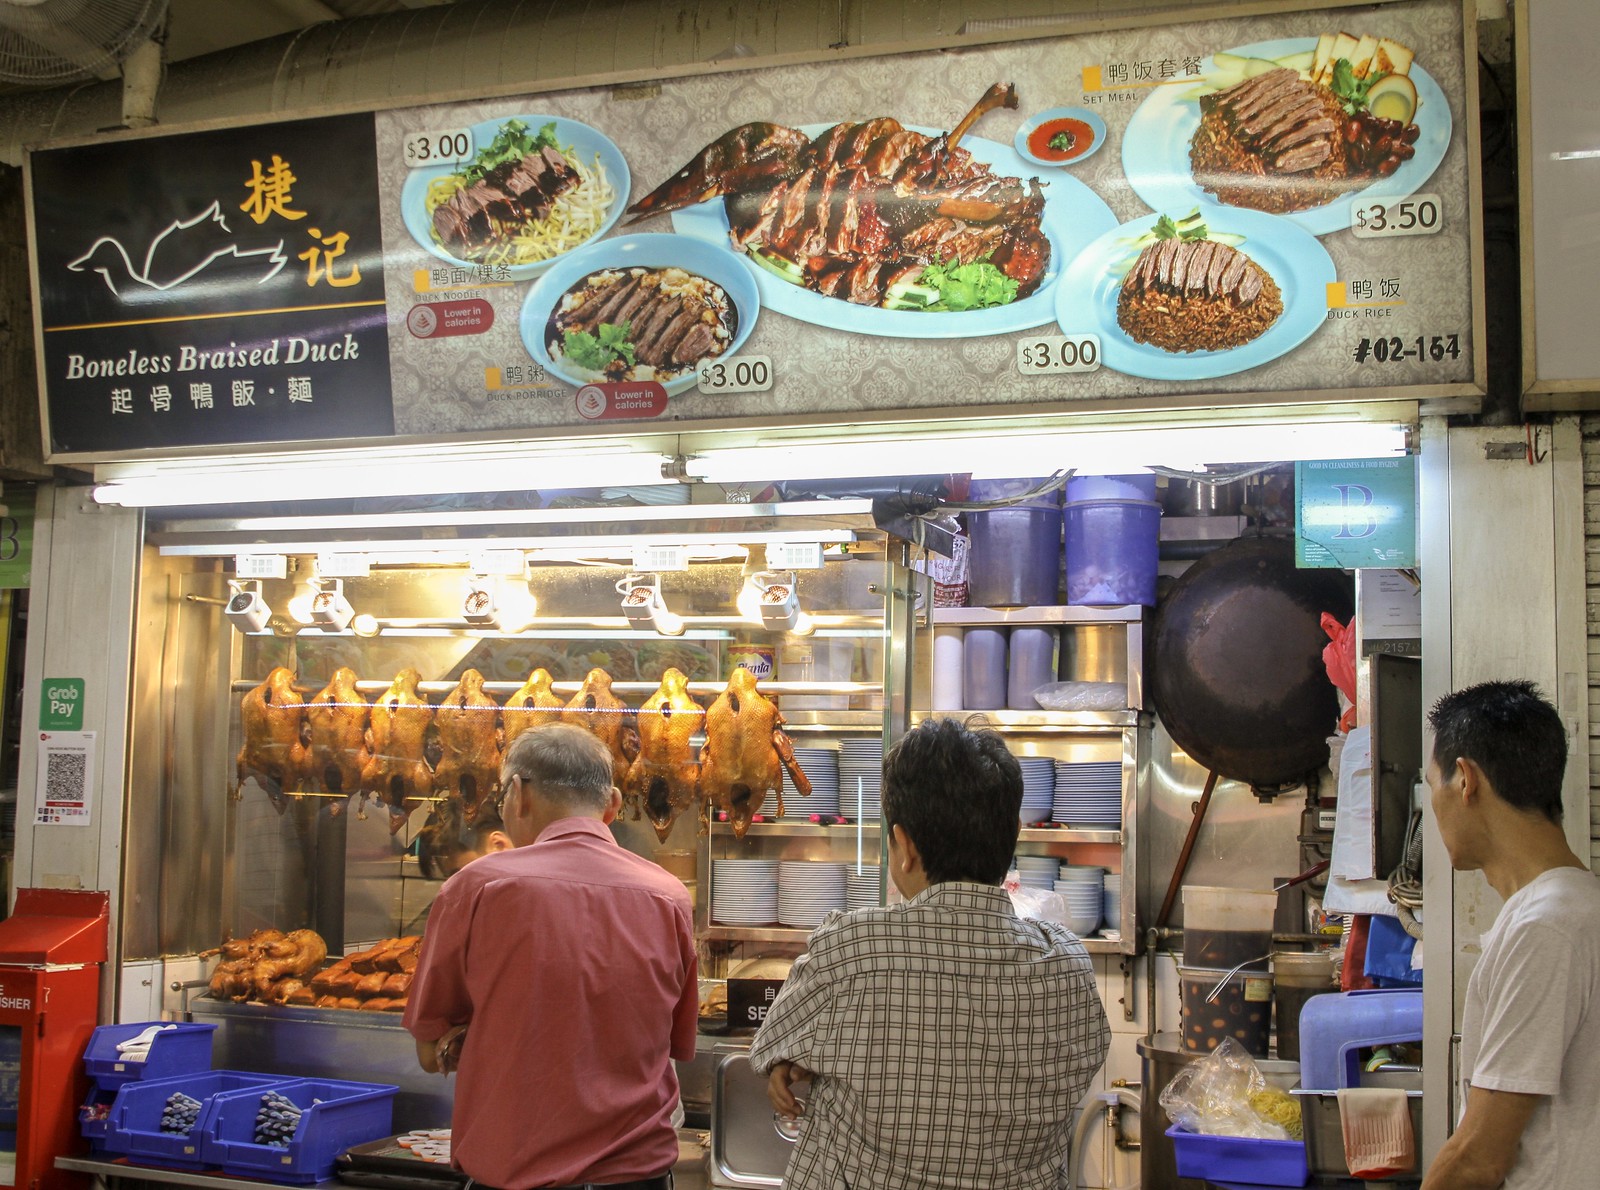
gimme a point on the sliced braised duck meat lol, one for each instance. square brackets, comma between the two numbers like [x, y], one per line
[1269, 87]
[1243, 91]
[1309, 129]
[864, 287]
[1199, 263]
[660, 346]
[1273, 137]
[1280, 116]
[609, 305]
[1303, 157]
[1233, 273]
[1220, 259]
[1249, 285]
[697, 344]
[1168, 252]
[1180, 266]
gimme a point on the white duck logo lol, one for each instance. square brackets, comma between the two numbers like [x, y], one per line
[185, 249]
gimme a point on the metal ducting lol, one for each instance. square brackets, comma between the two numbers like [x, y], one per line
[477, 48]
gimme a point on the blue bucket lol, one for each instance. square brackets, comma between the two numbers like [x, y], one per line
[1113, 547]
[1111, 487]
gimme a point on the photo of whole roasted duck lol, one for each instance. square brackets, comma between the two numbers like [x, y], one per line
[534, 704]
[664, 777]
[397, 773]
[336, 718]
[601, 713]
[745, 753]
[469, 739]
[873, 212]
[272, 719]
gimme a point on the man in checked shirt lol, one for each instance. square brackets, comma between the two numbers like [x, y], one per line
[947, 1040]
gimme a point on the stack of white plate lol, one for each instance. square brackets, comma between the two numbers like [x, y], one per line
[1088, 794]
[809, 891]
[861, 780]
[1084, 903]
[1037, 871]
[861, 888]
[1038, 788]
[1112, 883]
[821, 765]
[744, 892]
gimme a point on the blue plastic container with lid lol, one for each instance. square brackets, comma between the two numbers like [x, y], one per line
[1111, 487]
[1113, 548]
[1015, 559]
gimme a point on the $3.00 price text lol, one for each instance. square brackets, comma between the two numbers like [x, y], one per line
[1394, 349]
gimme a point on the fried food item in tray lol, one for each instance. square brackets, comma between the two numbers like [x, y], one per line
[337, 719]
[299, 954]
[745, 753]
[469, 734]
[665, 776]
[535, 704]
[272, 718]
[396, 773]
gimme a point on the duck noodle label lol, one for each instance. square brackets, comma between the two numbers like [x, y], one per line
[1272, 204]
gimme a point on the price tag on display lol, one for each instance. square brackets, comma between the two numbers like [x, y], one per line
[1047, 355]
[438, 148]
[1419, 215]
[737, 374]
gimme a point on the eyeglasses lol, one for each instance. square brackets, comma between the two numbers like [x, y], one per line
[500, 802]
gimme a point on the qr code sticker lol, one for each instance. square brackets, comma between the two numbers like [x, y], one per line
[65, 777]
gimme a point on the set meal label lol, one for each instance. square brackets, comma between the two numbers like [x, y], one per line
[1049, 355]
[737, 374]
[449, 147]
[1419, 215]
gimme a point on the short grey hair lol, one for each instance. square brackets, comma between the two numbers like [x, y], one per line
[561, 764]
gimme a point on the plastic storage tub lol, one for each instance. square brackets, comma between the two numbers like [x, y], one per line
[1239, 1159]
[185, 1048]
[1319, 1115]
[134, 1125]
[1111, 487]
[1223, 927]
[1113, 547]
[1242, 1009]
[348, 1114]
[1015, 559]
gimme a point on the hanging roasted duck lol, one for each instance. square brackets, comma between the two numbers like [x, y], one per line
[665, 776]
[336, 718]
[272, 718]
[600, 712]
[873, 212]
[534, 704]
[469, 739]
[396, 773]
[745, 753]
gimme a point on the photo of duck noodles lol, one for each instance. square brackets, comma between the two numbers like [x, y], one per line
[873, 213]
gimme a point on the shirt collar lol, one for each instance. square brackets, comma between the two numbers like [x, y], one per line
[963, 894]
[579, 824]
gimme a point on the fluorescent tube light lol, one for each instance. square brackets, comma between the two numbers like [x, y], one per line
[340, 475]
[1016, 455]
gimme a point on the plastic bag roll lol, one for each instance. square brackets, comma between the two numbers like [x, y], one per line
[948, 674]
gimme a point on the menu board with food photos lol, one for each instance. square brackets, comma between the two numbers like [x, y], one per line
[1261, 208]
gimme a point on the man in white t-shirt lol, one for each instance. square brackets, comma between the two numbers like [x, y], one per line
[1530, 1033]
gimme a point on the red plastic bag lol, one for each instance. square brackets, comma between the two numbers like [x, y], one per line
[1339, 658]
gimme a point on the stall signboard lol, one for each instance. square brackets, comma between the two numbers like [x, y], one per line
[749, 999]
[1252, 209]
[1356, 515]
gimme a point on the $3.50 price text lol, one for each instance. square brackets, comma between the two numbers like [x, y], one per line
[1395, 350]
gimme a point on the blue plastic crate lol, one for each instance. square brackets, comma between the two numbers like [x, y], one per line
[183, 1049]
[348, 1114]
[94, 1118]
[1239, 1159]
[134, 1125]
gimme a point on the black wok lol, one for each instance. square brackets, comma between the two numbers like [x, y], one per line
[1237, 676]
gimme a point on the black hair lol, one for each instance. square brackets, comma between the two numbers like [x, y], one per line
[957, 791]
[476, 836]
[1510, 732]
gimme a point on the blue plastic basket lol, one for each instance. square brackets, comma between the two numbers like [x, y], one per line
[134, 1125]
[1239, 1159]
[183, 1049]
[348, 1114]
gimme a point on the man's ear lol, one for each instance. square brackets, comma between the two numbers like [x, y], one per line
[910, 857]
[1468, 780]
[498, 841]
[613, 807]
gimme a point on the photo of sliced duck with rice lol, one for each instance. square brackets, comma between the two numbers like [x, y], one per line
[1189, 292]
[873, 212]
[1292, 134]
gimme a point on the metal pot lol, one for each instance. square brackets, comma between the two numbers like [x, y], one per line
[1238, 678]
[1191, 497]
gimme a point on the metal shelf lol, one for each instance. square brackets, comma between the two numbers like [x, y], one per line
[1062, 834]
[804, 830]
[798, 936]
[977, 616]
[1048, 721]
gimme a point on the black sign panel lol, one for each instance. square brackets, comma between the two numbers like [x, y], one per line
[213, 288]
[748, 1001]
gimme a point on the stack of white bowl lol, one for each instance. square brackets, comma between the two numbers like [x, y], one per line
[744, 892]
[1088, 794]
[861, 887]
[1080, 885]
[1038, 788]
[808, 891]
[1037, 871]
[1112, 883]
[821, 765]
[861, 780]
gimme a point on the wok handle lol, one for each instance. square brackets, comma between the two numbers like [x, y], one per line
[1188, 847]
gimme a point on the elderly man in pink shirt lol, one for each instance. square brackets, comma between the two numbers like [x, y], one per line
[558, 979]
